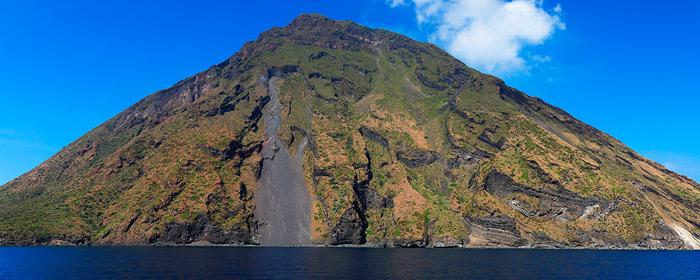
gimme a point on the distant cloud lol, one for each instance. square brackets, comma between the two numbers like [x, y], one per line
[395, 3]
[541, 58]
[487, 34]
[557, 9]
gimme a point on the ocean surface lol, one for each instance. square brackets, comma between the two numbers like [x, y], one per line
[340, 263]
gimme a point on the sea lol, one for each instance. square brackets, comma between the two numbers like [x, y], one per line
[341, 263]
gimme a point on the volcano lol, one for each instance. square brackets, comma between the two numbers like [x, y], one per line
[326, 132]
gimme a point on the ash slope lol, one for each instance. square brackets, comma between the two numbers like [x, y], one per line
[397, 143]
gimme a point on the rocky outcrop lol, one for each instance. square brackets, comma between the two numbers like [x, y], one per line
[494, 231]
[374, 136]
[555, 202]
[416, 157]
[352, 227]
[201, 231]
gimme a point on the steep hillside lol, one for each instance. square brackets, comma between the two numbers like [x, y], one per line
[327, 132]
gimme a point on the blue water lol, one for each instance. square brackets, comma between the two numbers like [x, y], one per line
[340, 263]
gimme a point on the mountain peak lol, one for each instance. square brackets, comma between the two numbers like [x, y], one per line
[310, 20]
[317, 30]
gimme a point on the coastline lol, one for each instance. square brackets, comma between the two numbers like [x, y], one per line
[348, 246]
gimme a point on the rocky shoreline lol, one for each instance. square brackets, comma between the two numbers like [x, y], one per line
[64, 243]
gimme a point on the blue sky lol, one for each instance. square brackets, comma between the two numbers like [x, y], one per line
[626, 67]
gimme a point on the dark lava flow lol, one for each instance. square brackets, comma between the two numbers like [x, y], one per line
[283, 204]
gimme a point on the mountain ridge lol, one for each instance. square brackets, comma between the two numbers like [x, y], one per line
[396, 143]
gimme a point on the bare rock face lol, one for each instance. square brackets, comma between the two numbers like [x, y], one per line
[555, 203]
[495, 231]
[326, 132]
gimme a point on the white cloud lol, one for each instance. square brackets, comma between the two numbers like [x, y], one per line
[540, 58]
[487, 34]
[394, 3]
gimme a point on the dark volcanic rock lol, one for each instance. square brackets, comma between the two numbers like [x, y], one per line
[498, 230]
[374, 136]
[351, 228]
[417, 157]
[556, 202]
[185, 233]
